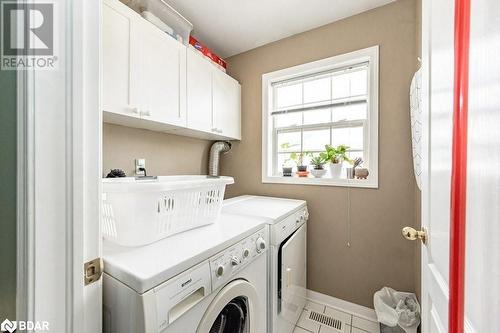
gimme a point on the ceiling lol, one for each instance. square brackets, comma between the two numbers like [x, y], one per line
[230, 27]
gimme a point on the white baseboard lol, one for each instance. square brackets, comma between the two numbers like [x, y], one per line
[355, 309]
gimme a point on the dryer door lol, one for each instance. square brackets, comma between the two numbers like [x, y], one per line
[293, 275]
[233, 310]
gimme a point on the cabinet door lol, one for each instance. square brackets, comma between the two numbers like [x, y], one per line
[226, 105]
[199, 92]
[120, 74]
[163, 77]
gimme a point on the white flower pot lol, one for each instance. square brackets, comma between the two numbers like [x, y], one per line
[318, 173]
[335, 169]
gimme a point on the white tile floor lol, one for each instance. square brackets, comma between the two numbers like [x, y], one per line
[350, 322]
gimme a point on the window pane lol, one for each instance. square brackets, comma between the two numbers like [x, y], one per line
[359, 82]
[316, 139]
[349, 112]
[317, 90]
[350, 136]
[288, 95]
[288, 119]
[317, 116]
[340, 86]
[288, 141]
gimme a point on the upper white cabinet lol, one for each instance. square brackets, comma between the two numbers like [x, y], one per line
[199, 92]
[143, 68]
[213, 98]
[226, 104]
[152, 81]
[120, 60]
[163, 86]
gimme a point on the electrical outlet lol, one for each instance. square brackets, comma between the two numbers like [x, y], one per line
[140, 163]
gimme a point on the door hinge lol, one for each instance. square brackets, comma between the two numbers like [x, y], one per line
[92, 270]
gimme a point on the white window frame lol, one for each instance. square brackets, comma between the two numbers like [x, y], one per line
[370, 55]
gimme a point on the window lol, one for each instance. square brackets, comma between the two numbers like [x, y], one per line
[333, 102]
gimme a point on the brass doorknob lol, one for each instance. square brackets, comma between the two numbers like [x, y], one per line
[411, 234]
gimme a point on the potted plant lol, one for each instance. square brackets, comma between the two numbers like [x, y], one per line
[299, 160]
[335, 155]
[288, 164]
[287, 168]
[318, 164]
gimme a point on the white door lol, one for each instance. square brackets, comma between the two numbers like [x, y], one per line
[226, 104]
[163, 76]
[293, 275]
[437, 83]
[199, 92]
[121, 59]
[482, 290]
[59, 117]
[482, 278]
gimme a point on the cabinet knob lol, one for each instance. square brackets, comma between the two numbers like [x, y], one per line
[134, 110]
[146, 113]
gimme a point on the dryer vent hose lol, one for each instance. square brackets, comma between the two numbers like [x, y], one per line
[217, 148]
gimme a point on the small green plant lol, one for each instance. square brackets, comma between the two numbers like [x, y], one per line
[293, 156]
[318, 162]
[335, 154]
[297, 158]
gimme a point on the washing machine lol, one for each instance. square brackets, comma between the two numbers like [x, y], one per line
[224, 293]
[287, 257]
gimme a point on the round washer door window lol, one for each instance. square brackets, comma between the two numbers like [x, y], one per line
[233, 310]
[232, 318]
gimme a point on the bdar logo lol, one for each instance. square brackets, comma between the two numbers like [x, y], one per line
[8, 326]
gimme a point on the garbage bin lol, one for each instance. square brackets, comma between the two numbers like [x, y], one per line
[397, 312]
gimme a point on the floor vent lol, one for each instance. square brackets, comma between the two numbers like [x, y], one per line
[325, 320]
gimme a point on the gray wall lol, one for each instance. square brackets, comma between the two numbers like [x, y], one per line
[165, 154]
[378, 255]
[7, 194]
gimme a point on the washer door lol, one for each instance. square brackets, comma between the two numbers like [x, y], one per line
[233, 310]
[293, 275]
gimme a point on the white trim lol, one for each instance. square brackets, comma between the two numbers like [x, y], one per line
[363, 183]
[426, 302]
[345, 306]
[25, 279]
[370, 54]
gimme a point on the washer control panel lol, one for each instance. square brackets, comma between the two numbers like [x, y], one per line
[228, 262]
[286, 227]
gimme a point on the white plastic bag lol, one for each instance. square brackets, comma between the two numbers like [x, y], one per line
[395, 308]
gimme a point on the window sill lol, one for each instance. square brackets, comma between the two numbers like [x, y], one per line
[362, 183]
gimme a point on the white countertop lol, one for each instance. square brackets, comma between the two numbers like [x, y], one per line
[145, 267]
[271, 208]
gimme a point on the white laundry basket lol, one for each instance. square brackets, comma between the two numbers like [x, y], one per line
[138, 212]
